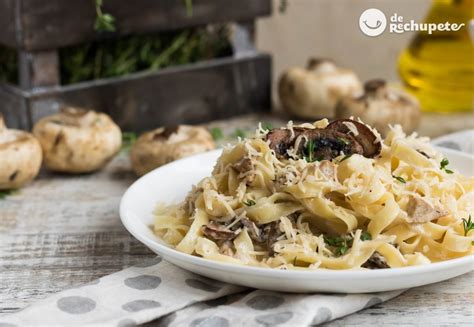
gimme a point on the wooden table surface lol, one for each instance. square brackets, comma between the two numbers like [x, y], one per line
[63, 231]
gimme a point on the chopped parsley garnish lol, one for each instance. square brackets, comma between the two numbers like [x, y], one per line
[239, 133]
[400, 179]
[308, 151]
[340, 244]
[250, 203]
[216, 133]
[443, 166]
[266, 126]
[468, 224]
[365, 236]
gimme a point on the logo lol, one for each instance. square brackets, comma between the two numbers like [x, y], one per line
[372, 22]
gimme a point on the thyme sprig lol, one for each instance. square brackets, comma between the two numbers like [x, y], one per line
[308, 151]
[468, 224]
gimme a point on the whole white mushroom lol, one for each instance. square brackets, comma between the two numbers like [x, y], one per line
[314, 92]
[381, 105]
[77, 141]
[165, 144]
[20, 157]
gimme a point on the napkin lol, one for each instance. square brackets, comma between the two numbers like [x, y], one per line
[170, 296]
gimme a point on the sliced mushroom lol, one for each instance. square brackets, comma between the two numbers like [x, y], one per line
[420, 211]
[255, 232]
[315, 91]
[328, 142]
[20, 157]
[364, 136]
[163, 145]
[243, 166]
[217, 231]
[272, 233]
[381, 105]
[77, 141]
[376, 261]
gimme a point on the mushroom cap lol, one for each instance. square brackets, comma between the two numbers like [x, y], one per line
[381, 105]
[77, 140]
[20, 155]
[162, 145]
[315, 91]
[329, 142]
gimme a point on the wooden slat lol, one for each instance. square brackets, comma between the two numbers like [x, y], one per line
[38, 68]
[13, 106]
[8, 26]
[188, 94]
[56, 23]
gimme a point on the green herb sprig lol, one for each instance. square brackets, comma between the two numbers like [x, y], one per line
[283, 6]
[239, 133]
[400, 179]
[266, 126]
[308, 151]
[443, 166]
[343, 141]
[216, 133]
[104, 22]
[340, 244]
[128, 138]
[365, 236]
[250, 203]
[468, 224]
[5, 193]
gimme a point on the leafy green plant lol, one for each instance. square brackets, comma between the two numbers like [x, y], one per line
[104, 22]
[110, 58]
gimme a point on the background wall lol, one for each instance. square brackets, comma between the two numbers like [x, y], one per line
[330, 29]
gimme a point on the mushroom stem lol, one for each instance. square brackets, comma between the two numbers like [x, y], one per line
[2, 123]
[376, 87]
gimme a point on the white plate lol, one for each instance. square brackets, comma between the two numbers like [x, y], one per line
[172, 182]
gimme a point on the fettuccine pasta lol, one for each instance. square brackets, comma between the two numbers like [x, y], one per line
[305, 197]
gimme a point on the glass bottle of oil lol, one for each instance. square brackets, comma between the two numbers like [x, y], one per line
[438, 68]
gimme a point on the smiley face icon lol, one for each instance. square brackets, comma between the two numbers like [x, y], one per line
[372, 22]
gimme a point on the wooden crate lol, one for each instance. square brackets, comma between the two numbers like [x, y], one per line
[184, 94]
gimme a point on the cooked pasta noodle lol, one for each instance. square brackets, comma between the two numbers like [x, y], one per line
[397, 209]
